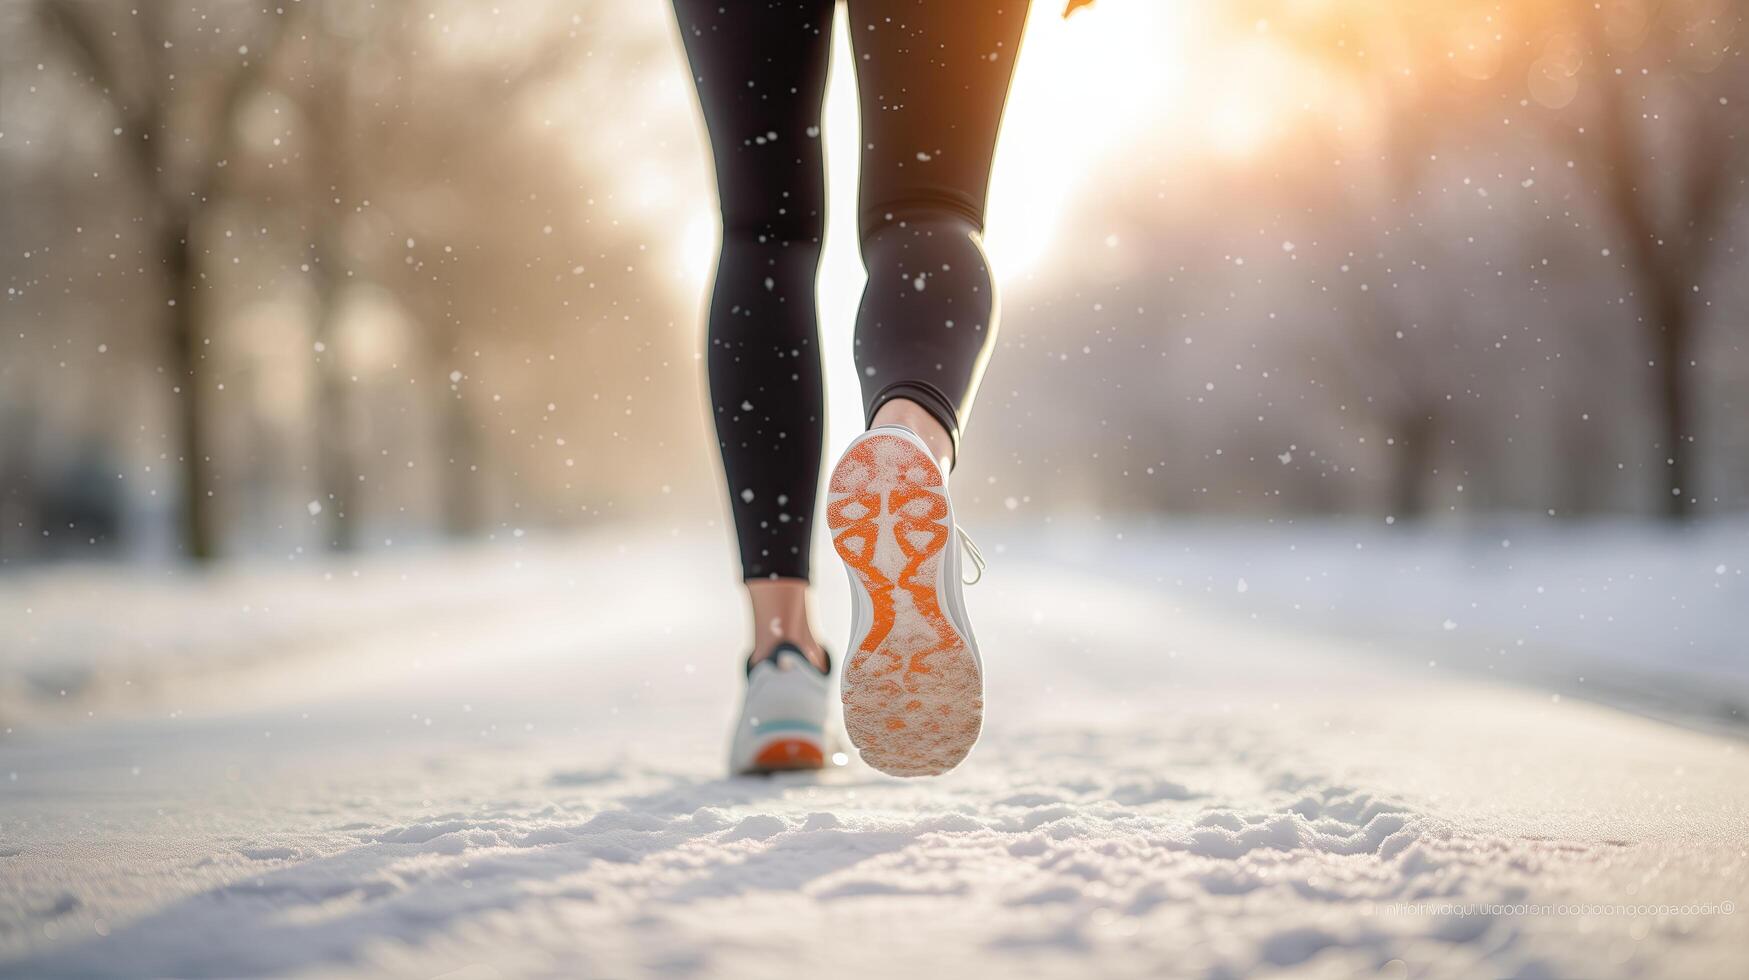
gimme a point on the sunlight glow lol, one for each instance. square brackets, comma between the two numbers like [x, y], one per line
[841, 272]
[1237, 118]
[1087, 90]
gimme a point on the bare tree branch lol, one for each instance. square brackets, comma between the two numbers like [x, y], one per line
[241, 84]
[72, 20]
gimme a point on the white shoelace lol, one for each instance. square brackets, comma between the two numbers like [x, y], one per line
[972, 552]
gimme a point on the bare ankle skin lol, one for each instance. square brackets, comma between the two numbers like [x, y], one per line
[905, 412]
[780, 615]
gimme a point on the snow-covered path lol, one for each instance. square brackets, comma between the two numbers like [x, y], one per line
[529, 783]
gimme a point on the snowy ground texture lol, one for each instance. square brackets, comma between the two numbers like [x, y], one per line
[508, 762]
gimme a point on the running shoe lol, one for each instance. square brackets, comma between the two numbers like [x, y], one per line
[913, 685]
[783, 717]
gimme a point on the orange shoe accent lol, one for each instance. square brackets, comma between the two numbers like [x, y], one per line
[913, 692]
[857, 545]
[789, 753]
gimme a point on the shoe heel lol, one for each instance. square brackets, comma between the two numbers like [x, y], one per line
[789, 753]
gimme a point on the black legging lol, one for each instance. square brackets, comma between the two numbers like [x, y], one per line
[933, 75]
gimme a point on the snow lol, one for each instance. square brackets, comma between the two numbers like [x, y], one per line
[504, 761]
[1637, 614]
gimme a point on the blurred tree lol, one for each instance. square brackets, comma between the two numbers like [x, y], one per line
[466, 141]
[1639, 91]
[1660, 135]
[179, 116]
[452, 202]
[413, 163]
[330, 55]
[1397, 349]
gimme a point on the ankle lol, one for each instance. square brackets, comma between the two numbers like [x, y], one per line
[810, 648]
[780, 615]
[908, 414]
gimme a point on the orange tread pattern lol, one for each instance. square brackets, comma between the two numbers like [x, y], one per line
[913, 693]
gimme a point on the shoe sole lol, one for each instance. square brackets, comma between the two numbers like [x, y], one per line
[913, 688]
[787, 755]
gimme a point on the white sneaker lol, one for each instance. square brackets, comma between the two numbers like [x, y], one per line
[783, 717]
[913, 685]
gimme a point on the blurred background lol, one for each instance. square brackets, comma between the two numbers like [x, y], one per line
[333, 278]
